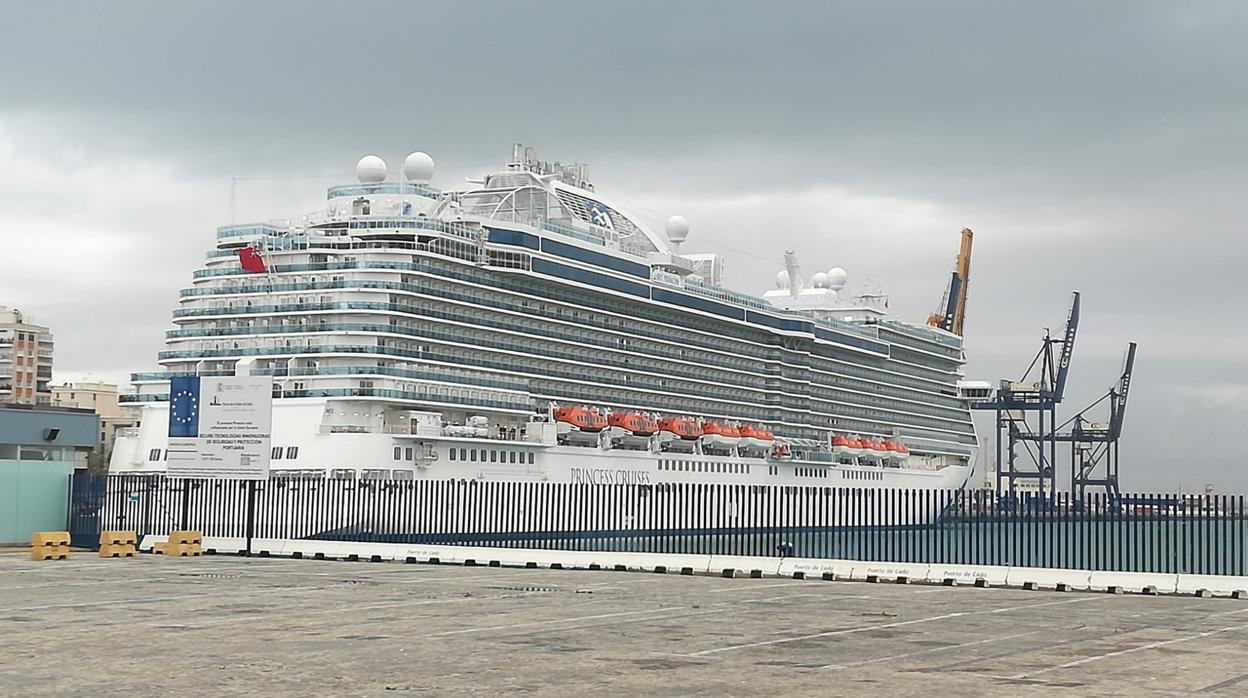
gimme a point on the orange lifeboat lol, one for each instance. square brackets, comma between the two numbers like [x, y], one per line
[632, 422]
[680, 427]
[899, 451]
[679, 434]
[759, 439]
[722, 436]
[844, 446]
[879, 449]
[580, 417]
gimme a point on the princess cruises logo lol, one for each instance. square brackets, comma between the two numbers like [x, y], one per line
[600, 215]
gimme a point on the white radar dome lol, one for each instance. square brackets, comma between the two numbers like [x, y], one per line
[677, 229]
[782, 279]
[820, 280]
[418, 167]
[837, 278]
[370, 170]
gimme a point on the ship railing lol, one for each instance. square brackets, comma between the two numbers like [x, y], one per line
[919, 419]
[519, 405]
[408, 188]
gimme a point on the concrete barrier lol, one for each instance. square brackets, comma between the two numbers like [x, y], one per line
[1214, 585]
[1046, 578]
[970, 575]
[380, 552]
[223, 545]
[815, 568]
[735, 566]
[889, 572]
[744, 566]
[1133, 582]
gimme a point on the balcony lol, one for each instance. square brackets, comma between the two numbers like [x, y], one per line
[519, 405]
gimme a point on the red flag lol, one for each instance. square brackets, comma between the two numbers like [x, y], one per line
[251, 260]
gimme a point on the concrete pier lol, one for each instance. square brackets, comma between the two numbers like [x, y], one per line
[228, 626]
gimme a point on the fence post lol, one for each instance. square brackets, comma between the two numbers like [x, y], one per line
[251, 513]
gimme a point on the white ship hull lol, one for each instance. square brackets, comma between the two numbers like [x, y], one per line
[322, 451]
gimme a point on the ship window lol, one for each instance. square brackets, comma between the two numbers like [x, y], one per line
[463, 454]
[493, 456]
[154, 454]
[407, 453]
[452, 454]
[398, 453]
[402, 475]
[292, 452]
[513, 457]
[530, 458]
[277, 453]
[472, 455]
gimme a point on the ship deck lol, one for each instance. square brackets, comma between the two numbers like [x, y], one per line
[232, 626]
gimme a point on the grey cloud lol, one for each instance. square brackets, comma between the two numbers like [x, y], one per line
[1092, 146]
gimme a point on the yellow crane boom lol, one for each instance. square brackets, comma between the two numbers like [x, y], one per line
[954, 316]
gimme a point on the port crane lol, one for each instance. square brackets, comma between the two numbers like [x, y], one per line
[1038, 392]
[1093, 444]
[953, 305]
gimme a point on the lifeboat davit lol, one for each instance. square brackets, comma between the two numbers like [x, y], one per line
[719, 436]
[755, 439]
[579, 425]
[631, 429]
[678, 434]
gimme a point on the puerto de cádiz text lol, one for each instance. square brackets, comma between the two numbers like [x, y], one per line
[606, 476]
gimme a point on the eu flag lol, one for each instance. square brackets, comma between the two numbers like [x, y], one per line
[184, 406]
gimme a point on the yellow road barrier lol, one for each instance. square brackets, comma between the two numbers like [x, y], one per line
[117, 550]
[186, 537]
[178, 549]
[49, 545]
[118, 538]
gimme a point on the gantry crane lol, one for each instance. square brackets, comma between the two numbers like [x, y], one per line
[1040, 390]
[953, 304]
[1095, 443]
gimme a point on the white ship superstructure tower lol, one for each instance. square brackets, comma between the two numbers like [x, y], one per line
[528, 327]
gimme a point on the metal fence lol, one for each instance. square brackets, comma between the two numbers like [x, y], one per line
[1145, 533]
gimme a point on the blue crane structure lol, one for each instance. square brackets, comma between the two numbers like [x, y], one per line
[1039, 392]
[1093, 444]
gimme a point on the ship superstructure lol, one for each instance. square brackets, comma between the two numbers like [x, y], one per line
[529, 328]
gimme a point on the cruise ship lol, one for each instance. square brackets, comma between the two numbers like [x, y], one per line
[527, 328]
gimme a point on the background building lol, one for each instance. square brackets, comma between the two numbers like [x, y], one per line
[39, 449]
[100, 398]
[25, 360]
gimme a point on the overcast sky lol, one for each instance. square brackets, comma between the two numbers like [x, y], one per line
[1092, 146]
